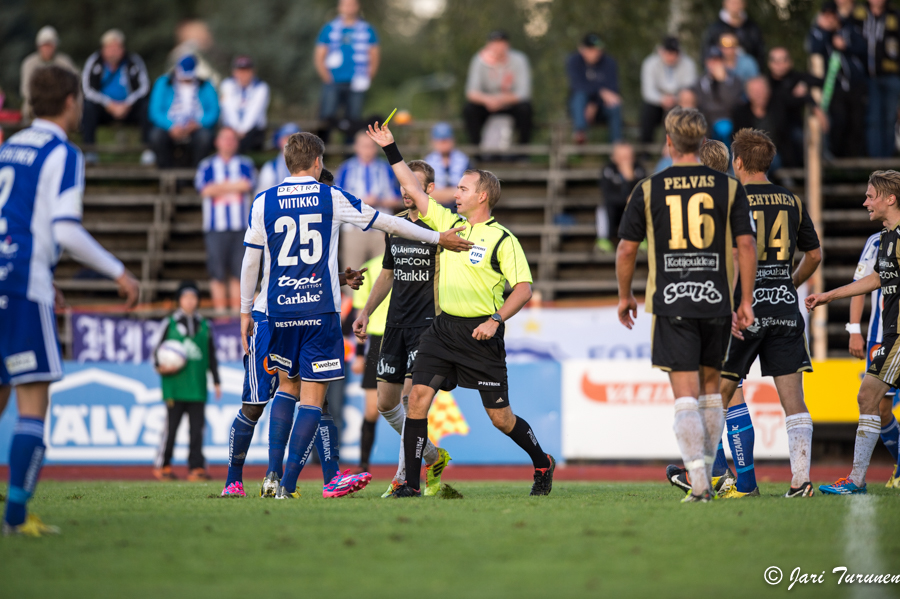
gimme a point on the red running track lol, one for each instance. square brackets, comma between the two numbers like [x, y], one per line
[779, 473]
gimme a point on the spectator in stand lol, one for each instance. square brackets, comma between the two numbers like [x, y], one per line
[757, 114]
[687, 98]
[838, 56]
[499, 82]
[369, 177]
[47, 41]
[184, 110]
[664, 74]
[719, 92]
[448, 163]
[617, 180]
[225, 181]
[594, 89]
[185, 390]
[115, 86]
[244, 100]
[736, 60]
[275, 171]
[347, 56]
[790, 95]
[733, 19]
[881, 31]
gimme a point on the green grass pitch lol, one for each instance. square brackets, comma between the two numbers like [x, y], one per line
[127, 539]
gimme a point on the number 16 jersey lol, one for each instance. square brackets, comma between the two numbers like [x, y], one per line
[296, 225]
[689, 214]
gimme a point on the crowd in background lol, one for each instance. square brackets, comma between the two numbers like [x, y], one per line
[852, 88]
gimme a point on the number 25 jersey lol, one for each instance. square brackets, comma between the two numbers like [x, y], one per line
[689, 214]
[296, 225]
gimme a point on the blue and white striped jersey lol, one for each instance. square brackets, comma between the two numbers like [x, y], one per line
[296, 225]
[226, 212]
[866, 266]
[41, 182]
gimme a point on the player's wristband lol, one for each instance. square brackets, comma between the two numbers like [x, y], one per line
[360, 349]
[393, 153]
[853, 328]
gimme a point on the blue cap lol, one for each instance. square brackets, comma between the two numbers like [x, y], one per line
[186, 67]
[285, 130]
[442, 131]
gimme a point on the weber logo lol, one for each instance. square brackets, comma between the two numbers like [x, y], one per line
[326, 365]
[691, 262]
[19, 363]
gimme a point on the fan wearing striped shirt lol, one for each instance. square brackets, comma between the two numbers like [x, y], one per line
[225, 181]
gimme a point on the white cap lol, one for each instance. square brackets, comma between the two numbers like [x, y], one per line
[47, 35]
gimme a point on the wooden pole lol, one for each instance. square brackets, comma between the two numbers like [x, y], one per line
[814, 205]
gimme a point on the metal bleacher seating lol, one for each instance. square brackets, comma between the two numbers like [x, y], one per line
[151, 219]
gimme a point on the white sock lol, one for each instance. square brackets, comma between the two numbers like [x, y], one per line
[689, 433]
[867, 434]
[710, 407]
[395, 417]
[800, 431]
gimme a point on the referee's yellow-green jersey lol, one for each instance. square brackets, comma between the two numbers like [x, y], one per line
[378, 318]
[472, 283]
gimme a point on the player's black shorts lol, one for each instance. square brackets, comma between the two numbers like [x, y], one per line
[885, 364]
[398, 352]
[370, 374]
[448, 349]
[780, 343]
[684, 344]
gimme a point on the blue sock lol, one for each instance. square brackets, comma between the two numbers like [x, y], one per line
[721, 464]
[739, 429]
[305, 427]
[889, 435]
[328, 446]
[26, 455]
[281, 419]
[239, 444]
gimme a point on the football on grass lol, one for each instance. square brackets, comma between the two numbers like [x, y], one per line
[170, 355]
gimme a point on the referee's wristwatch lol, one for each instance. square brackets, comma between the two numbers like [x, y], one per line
[497, 318]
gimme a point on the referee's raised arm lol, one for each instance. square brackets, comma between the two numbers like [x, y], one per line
[408, 181]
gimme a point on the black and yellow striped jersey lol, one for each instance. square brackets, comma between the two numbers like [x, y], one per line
[888, 268]
[782, 227]
[689, 214]
[416, 269]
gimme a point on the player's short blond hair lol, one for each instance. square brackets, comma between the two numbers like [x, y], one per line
[686, 127]
[420, 166]
[755, 149]
[714, 154]
[487, 183]
[301, 151]
[886, 183]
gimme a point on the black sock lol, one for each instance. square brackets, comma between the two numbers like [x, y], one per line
[415, 435]
[366, 442]
[524, 438]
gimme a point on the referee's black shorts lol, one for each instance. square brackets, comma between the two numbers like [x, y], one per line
[448, 349]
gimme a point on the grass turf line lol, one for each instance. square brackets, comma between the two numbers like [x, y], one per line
[586, 539]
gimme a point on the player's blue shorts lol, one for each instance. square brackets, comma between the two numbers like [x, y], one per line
[29, 347]
[310, 347]
[260, 380]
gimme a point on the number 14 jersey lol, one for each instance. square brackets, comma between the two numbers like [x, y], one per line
[296, 225]
[689, 214]
[782, 227]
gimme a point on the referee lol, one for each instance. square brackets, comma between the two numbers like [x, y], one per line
[465, 341]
